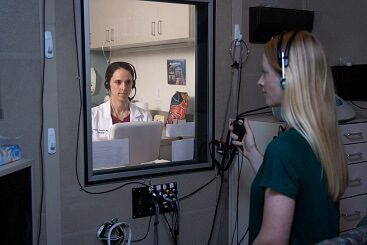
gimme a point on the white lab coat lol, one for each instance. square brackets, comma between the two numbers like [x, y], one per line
[102, 120]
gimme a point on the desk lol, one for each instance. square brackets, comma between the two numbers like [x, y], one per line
[16, 202]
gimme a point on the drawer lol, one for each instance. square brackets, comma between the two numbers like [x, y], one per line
[353, 133]
[357, 180]
[352, 210]
[356, 152]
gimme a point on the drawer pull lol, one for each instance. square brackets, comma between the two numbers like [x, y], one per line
[354, 136]
[354, 215]
[354, 156]
[355, 182]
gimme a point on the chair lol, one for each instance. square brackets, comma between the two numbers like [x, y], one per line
[356, 236]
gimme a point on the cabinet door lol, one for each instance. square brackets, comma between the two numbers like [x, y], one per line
[173, 21]
[353, 133]
[97, 26]
[136, 25]
[103, 16]
[132, 23]
[352, 210]
[357, 180]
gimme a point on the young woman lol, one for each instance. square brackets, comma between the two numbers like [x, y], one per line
[120, 80]
[303, 173]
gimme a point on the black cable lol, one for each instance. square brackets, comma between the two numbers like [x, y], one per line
[212, 154]
[360, 107]
[243, 237]
[238, 190]
[259, 113]
[216, 210]
[79, 121]
[197, 190]
[247, 112]
[156, 221]
[171, 229]
[42, 118]
[146, 234]
[239, 78]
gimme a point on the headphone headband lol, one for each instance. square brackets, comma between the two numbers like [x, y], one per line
[287, 48]
[283, 56]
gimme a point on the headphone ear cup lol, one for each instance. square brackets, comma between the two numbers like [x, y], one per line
[107, 85]
[282, 83]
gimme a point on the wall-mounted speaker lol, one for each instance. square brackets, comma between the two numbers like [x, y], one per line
[350, 81]
[266, 22]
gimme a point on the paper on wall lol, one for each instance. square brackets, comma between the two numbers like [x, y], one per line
[180, 129]
[183, 150]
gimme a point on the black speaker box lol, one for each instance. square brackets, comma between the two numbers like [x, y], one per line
[350, 81]
[266, 22]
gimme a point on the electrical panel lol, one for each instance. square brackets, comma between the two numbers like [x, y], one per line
[145, 198]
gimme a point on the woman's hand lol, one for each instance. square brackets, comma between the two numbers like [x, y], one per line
[249, 147]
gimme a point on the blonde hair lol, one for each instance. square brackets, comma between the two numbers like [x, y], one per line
[308, 104]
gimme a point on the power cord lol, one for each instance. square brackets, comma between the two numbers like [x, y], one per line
[146, 234]
[156, 220]
[243, 237]
[42, 118]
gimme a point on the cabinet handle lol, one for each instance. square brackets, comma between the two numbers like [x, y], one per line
[354, 156]
[152, 28]
[107, 35]
[159, 27]
[354, 136]
[355, 182]
[112, 34]
[354, 215]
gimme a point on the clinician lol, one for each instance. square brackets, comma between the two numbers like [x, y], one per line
[303, 173]
[120, 81]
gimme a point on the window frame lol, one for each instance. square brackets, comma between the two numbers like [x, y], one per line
[204, 104]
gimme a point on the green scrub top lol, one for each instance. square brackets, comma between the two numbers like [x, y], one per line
[291, 168]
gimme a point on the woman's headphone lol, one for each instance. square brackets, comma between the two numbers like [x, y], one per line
[283, 56]
[114, 232]
[115, 66]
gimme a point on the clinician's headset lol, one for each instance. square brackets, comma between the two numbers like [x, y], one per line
[283, 56]
[115, 66]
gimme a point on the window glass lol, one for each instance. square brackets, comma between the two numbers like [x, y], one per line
[147, 73]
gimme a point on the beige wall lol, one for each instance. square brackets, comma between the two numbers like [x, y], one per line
[71, 216]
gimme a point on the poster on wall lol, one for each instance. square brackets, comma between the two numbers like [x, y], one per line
[176, 71]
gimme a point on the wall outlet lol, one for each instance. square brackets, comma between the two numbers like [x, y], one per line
[143, 199]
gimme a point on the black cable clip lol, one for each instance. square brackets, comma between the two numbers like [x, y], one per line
[235, 65]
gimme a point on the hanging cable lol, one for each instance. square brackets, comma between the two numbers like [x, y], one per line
[108, 59]
[236, 65]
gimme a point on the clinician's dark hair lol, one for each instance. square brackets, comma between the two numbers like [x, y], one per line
[118, 65]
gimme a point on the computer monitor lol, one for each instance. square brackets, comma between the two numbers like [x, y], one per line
[144, 139]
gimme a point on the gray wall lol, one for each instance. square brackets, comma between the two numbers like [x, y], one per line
[71, 216]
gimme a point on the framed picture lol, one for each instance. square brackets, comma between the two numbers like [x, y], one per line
[176, 72]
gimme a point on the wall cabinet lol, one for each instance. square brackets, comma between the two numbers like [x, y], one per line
[132, 23]
[353, 205]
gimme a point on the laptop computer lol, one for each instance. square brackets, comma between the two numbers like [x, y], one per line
[144, 139]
